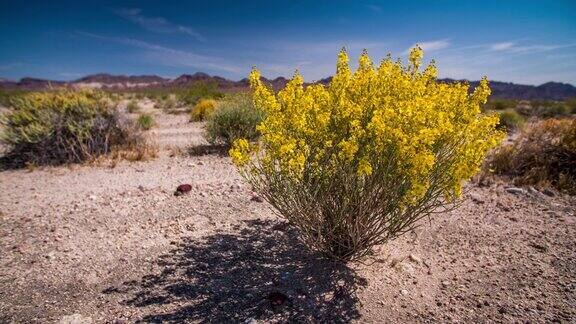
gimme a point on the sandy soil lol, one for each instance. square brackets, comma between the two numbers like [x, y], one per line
[98, 244]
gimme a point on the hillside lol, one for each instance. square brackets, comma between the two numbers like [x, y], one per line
[548, 91]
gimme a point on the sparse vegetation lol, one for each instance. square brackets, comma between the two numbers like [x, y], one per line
[360, 162]
[236, 117]
[198, 91]
[510, 120]
[544, 154]
[66, 126]
[133, 107]
[202, 109]
[145, 121]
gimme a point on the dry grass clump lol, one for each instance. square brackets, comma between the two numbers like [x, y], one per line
[133, 107]
[544, 154]
[202, 109]
[66, 127]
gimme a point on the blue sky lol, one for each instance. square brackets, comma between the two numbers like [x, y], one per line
[528, 42]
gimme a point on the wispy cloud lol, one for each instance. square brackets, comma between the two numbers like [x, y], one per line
[373, 7]
[501, 46]
[169, 56]
[156, 24]
[513, 47]
[430, 46]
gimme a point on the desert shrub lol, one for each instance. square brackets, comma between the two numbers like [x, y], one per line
[8, 95]
[359, 162]
[571, 103]
[65, 126]
[199, 90]
[510, 120]
[145, 121]
[202, 109]
[236, 117]
[543, 154]
[499, 104]
[551, 109]
[133, 107]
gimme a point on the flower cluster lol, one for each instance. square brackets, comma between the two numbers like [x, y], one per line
[391, 117]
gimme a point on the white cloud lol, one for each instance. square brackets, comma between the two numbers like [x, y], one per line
[430, 46]
[156, 24]
[501, 46]
[170, 56]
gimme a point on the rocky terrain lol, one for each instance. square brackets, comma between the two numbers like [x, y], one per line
[111, 243]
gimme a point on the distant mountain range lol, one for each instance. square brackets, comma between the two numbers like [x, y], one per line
[550, 90]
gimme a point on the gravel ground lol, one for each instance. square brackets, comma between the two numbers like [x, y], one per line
[102, 244]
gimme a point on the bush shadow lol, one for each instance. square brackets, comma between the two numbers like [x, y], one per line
[263, 272]
[208, 149]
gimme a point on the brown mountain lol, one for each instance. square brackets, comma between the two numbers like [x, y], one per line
[549, 91]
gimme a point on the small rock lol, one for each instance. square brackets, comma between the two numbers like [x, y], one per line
[92, 197]
[250, 321]
[182, 189]
[548, 192]
[404, 292]
[256, 198]
[516, 191]
[445, 284]
[75, 319]
[476, 199]
[415, 258]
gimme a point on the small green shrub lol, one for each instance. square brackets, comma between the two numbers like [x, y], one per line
[200, 90]
[236, 117]
[543, 154]
[499, 104]
[133, 107]
[145, 121]
[510, 120]
[553, 110]
[202, 109]
[65, 126]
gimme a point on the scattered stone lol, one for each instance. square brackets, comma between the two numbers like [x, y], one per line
[549, 192]
[75, 319]
[404, 292]
[51, 255]
[516, 191]
[414, 258]
[476, 199]
[182, 189]
[256, 198]
[539, 247]
[503, 207]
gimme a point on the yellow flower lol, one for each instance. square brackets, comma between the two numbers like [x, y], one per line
[388, 117]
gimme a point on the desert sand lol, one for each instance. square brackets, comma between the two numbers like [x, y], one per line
[111, 243]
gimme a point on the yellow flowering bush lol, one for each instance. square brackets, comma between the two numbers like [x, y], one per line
[202, 109]
[360, 161]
